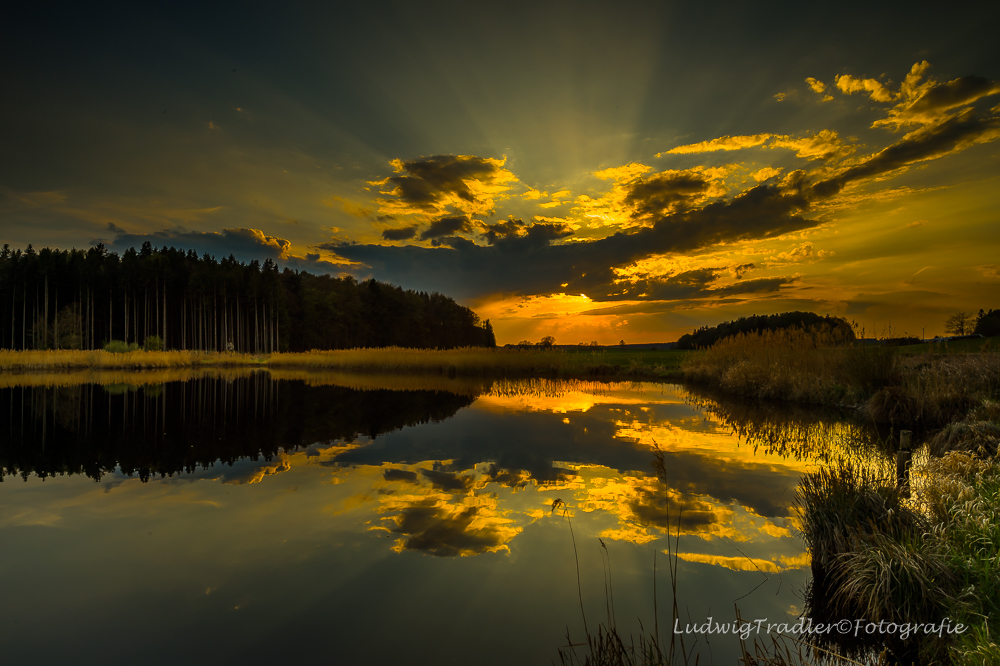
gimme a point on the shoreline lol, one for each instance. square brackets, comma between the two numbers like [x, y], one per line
[467, 362]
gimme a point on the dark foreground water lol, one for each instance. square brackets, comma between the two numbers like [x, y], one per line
[245, 519]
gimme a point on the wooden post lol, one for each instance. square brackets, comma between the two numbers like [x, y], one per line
[903, 462]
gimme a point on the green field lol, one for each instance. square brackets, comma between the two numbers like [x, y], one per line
[669, 359]
[953, 347]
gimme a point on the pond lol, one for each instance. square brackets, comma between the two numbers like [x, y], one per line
[319, 518]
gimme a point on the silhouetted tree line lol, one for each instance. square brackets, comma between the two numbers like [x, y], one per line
[706, 336]
[177, 427]
[987, 323]
[76, 299]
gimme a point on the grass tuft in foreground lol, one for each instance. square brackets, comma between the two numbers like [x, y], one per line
[880, 556]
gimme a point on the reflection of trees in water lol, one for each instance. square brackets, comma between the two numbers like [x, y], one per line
[175, 427]
[793, 431]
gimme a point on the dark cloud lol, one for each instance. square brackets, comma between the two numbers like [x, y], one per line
[688, 285]
[514, 229]
[508, 478]
[943, 96]
[432, 528]
[448, 481]
[889, 301]
[244, 244]
[663, 193]
[923, 144]
[519, 258]
[446, 226]
[763, 488]
[392, 474]
[508, 229]
[426, 178]
[434, 185]
[652, 509]
[675, 287]
[531, 263]
[755, 286]
[404, 233]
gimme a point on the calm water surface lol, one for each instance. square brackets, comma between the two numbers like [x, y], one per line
[334, 519]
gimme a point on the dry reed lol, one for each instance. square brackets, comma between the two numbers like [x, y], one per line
[814, 366]
[936, 389]
[468, 361]
[789, 364]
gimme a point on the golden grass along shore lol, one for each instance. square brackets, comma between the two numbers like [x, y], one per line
[467, 361]
[908, 390]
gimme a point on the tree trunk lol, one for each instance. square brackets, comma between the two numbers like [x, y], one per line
[45, 316]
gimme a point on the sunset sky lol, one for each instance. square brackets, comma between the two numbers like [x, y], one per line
[590, 171]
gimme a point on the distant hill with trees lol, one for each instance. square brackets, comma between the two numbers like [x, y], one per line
[706, 336]
[170, 298]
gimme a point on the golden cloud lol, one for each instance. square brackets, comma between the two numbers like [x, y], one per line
[815, 86]
[920, 102]
[623, 173]
[934, 102]
[763, 174]
[776, 565]
[722, 143]
[825, 144]
[850, 85]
